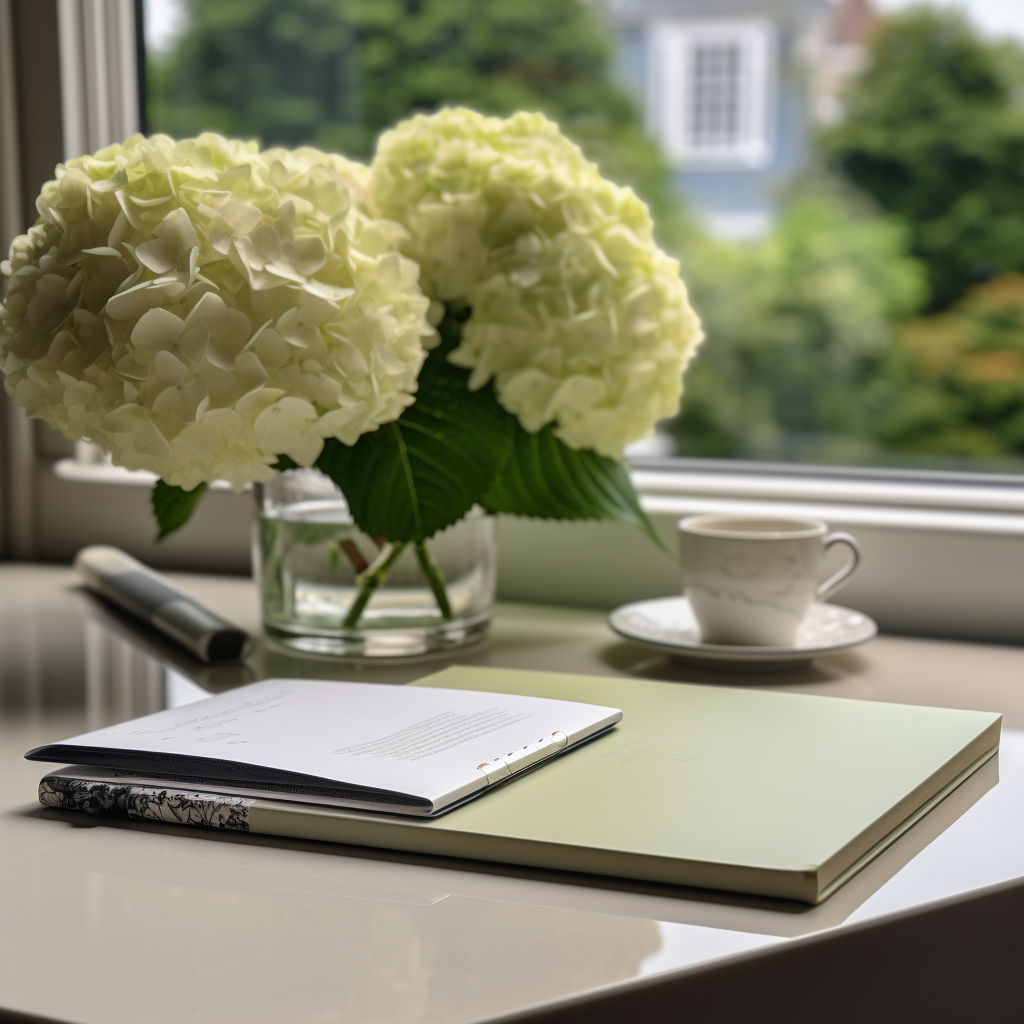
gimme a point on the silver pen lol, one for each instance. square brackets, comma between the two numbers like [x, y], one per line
[115, 575]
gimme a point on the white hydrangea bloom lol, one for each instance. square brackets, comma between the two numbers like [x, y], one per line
[577, 316]
[198, 308]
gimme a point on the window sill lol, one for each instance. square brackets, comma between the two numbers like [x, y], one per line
[877, 499]
[941, 557]
[80, 503]
[997, 504]
[825, 485]
[74, 471]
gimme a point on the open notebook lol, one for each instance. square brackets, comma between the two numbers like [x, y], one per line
[406, 750]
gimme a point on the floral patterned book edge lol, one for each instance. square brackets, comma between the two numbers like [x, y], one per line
[154, 803]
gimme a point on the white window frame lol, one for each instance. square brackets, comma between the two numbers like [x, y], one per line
[99, 77]
[944, 554]
[15, 432]
[672, 46]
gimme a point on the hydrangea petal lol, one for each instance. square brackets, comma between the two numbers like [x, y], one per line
[171, 368]
[139, 299]
[148, 440]
[280, 424]
[123, 419]
[308, 254]
[176, 231]
[157, 329]
[156, 256]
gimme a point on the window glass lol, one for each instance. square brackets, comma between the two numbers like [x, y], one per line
[842, 181]
[715, 95]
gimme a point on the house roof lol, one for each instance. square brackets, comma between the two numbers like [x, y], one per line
[852, 23]
[642, 11]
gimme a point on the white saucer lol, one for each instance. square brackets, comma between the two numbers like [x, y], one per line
[667, 624]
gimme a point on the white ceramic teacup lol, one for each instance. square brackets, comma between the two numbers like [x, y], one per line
[751, 580]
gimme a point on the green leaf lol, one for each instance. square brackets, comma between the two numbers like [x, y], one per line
[546, 479]
[172, 506]
[426, 470]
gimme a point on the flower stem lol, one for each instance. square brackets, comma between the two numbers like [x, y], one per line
[370, 580]
[435, 578]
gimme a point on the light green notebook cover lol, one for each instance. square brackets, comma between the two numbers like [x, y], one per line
[777, 794]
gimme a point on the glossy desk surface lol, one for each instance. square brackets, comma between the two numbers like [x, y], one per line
[110, 921]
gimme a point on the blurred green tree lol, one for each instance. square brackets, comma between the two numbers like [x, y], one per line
[953, 384]
[335, 73]
[934, 132]
[797, 324]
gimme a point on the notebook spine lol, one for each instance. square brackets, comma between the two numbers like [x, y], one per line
[155, 803]
[525, 757]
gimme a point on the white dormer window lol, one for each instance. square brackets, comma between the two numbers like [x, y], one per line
[711, 92]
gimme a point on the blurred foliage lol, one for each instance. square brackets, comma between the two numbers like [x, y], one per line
[797, 325]
[805, 358]
[934, 131]
[955, 381]
[336, 73]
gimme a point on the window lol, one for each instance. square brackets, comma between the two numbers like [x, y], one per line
[710, 92]
[799, 376]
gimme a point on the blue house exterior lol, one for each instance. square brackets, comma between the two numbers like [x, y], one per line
[732, 89]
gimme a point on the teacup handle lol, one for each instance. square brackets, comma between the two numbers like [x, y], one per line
[833, 583]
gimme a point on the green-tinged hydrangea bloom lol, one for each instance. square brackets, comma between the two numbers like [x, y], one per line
[577, 315]
[198, 308]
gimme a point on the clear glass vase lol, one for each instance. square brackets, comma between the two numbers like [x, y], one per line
[328, 588]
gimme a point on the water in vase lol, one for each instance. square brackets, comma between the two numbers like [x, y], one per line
[312, 560]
